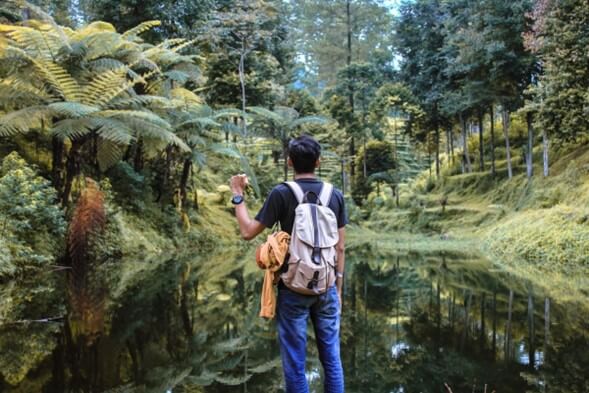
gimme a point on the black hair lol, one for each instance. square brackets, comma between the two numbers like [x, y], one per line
[304, 152]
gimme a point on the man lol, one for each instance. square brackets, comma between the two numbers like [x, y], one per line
[293, 309]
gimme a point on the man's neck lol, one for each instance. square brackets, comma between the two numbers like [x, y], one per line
[299, 176]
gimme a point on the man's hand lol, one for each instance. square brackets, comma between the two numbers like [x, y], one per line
[238, 183]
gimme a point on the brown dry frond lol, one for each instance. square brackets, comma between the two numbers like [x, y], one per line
[86, 294]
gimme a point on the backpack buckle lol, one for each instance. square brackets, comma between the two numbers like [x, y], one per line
[316, 256]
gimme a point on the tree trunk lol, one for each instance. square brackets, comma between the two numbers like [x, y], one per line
[492, 123]
[465, 154]
[545, 147]
[508, 327]
[530, 151]
[531, 332]
[350, 87]
[364, 169]
[184, 182]
[481, 143]
[466, 321]
[343, 174]
[242, 84]
[437, 150]
[505, 116]
[285, 154]
[451, 137]
[494, 325]
[138, 161]
[57, 162]
[483, 336]
[72, 170]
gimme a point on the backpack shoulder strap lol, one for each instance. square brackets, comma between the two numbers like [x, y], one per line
[296, 190]
[325, 194]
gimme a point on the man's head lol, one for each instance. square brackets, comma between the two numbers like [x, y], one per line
[303, 154]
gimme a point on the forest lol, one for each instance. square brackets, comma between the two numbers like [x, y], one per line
[458, 132]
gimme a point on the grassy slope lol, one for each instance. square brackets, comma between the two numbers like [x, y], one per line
[535, 227]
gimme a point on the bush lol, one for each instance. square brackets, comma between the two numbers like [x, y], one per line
[379, 158]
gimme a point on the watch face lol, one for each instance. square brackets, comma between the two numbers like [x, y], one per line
[237, 199]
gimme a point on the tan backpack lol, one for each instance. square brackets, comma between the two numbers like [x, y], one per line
[311, 265]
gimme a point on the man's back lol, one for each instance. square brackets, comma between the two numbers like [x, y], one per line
[281, 204]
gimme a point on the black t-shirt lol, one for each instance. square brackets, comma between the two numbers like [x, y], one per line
[281, 204]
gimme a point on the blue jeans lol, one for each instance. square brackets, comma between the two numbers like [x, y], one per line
[293, 310]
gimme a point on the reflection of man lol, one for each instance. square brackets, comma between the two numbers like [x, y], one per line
[293, 309]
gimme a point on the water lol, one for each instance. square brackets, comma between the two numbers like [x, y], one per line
[410, 324]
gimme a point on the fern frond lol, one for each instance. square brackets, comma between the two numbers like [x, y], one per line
[21, 121]
[266, 114]
[185, 95]
[72, 129]
[265, 367]
[72, 109]
[94, 28]
[228, 112]
[103, 44]
[39, 44]
[177, 76]
[105, 87]
[13, 90]
[140, 102]
[182, 46]
[224, 150]
[113, 130]
[59, 79]
[141, 28]
[170, 43]
[319, 120]
[287, 113]
[201, 122]
[109, 154]
[131, 115]
[232, 381]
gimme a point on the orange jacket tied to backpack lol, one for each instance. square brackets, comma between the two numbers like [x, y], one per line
[270, 256]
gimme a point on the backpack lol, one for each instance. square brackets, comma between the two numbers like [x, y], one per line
[310, 267]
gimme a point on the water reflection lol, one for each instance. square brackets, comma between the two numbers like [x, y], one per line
[410, 324]
[415, 323]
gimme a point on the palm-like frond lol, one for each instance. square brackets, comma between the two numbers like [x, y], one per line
[267, 114]
[21, 121]
[319, 120]
[14, 90]
[109, 153]
[72, 128]
[37, 43]
[140, 102]
[141, 28]
[106, 86]
[71, 109]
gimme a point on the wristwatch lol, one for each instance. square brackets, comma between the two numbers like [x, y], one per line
[237, 199]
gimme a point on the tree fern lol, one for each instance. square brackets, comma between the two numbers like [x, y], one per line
[21, 121]
[141, 28]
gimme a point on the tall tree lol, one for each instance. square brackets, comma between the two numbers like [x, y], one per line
[511, 65]
[561, 94]
[419, 40]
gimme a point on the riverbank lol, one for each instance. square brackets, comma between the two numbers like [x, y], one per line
[541, 224]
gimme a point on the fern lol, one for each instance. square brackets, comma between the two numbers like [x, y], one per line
[106, 86]
[141, 28]
[72, 128]
[21, 121]
[71, 109]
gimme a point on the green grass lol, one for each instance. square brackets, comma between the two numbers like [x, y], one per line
[540, 224]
